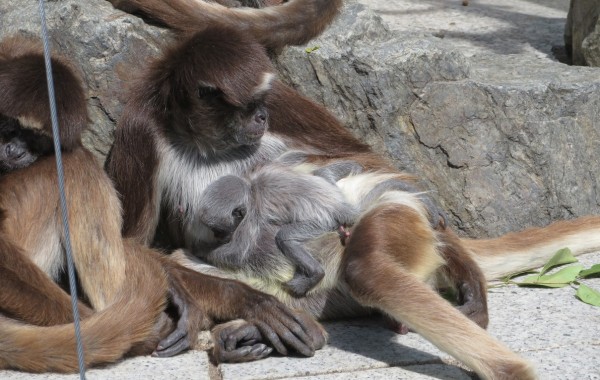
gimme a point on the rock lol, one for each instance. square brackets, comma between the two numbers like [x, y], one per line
[506, 137]
[471, 99]
[591, 44]
[582, 34]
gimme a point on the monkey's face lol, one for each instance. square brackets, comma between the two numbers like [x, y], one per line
[214, 87]
[221, 124]
[14, 154]
[223, 206]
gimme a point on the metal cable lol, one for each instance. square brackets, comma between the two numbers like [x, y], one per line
[61, 186]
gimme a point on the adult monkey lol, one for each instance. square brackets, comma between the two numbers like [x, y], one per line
[200, 112]
[294, 22]
[125, 285]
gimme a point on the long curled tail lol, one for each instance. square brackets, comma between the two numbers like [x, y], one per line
[532, 248]
[292, 23]
[107, 335]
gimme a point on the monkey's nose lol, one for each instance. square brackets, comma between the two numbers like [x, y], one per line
[13, 153]
[219, 233]
[260, 117]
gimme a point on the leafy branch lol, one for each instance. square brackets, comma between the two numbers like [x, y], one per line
[567, 276]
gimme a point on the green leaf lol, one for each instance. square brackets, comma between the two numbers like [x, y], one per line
[594, 271]
[561, 257]
[559, 279]
[588, 295]
[309, 50]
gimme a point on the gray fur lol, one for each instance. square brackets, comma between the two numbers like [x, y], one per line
[284, 209]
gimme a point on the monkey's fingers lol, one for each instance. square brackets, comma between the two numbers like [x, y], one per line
[288, 328]
[170, 346]
[247, 335]
[242, 354]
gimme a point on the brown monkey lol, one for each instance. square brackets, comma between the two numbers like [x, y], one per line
[195, 118]
[294, 22]
[124, 284]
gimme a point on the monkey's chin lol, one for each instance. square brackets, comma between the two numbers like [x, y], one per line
[250, 140]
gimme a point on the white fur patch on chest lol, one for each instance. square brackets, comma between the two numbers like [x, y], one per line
[181, 181]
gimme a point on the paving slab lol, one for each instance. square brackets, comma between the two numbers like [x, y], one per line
[192, 365]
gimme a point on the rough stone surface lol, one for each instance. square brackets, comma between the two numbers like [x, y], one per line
[472, 99]
[582, 32]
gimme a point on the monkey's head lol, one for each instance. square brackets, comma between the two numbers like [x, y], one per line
[212, 90]
[224, 204]
[24, 91]
[20, 147]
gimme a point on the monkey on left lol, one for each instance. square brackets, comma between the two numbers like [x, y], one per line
[35, 312]
[125, 286]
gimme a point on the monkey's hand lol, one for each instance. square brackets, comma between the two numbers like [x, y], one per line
[282, 327]
[238, 341]
[191, 320]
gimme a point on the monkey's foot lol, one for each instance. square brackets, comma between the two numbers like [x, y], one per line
[473, 305]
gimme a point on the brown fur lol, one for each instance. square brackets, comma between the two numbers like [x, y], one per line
[20, 77]
[32, 237]
[292, 23]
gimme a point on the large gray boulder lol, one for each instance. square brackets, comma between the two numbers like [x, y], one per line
[504, 141]
[582, 32]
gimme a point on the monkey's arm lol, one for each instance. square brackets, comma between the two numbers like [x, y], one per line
[132, 166]
[293, 23]
[223, 300]
[338, 170]
[229, 255]
[309, 272]
[28, 294]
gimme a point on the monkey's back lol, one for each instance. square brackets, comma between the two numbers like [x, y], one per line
[284, 196]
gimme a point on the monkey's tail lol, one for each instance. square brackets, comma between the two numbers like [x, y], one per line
[293, 23]
[107, 335]
[532, 248]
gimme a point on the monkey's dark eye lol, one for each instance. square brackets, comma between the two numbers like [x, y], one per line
[239, 213]
[208, 92]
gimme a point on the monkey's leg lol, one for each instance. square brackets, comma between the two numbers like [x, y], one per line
[338, 170]
[95, 221]
[436, 214]
[224, 300]
[388, 257]
[28, 294]
[309, 271]
[94, 216]
[466, 277]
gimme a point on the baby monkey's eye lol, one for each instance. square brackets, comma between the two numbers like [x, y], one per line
[239, 213]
